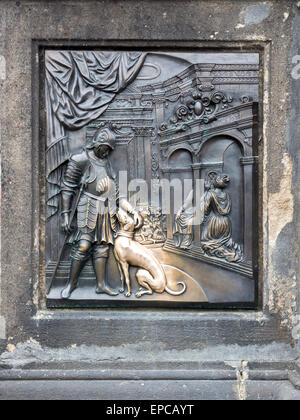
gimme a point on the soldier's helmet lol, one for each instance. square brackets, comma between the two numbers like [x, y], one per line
[103, 137]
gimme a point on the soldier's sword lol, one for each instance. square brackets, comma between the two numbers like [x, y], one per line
[66, 238]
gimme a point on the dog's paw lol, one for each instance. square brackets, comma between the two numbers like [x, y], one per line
[122, 290]
[128, 294]
[138, 295]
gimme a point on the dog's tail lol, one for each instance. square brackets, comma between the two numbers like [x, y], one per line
[173, 292]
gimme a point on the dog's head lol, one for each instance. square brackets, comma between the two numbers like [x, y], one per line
[126, 222]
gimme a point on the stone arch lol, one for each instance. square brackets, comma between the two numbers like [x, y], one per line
[222, 153]
[235, 135]
[177, 148]
[180, 157]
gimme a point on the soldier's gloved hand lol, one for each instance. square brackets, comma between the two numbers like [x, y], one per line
[138, 221]
[65, 225]
[103, 185]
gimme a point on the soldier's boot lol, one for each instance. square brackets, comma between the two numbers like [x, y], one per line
[76, 268]
[100, 270]
[79, 256]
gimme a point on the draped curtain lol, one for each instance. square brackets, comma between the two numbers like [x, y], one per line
[80, 85]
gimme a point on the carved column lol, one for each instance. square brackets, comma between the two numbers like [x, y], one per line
[196, 176]
[143, 136]
[160, 110]
[170, 216]
[248, 163]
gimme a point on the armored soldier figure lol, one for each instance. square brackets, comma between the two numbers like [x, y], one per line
[91, 172]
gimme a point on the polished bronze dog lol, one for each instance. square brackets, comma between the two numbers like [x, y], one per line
[150, 276]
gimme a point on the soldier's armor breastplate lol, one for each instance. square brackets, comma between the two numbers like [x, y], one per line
[96, 173]
[92, 202]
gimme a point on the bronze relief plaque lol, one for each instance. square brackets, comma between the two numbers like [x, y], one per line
[151, 168]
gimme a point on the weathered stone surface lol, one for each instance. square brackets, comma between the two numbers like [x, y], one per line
[264, 339]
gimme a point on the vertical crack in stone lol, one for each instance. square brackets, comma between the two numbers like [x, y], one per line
[242, 374]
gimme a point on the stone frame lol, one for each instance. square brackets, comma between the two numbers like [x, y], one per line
[33, 331]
